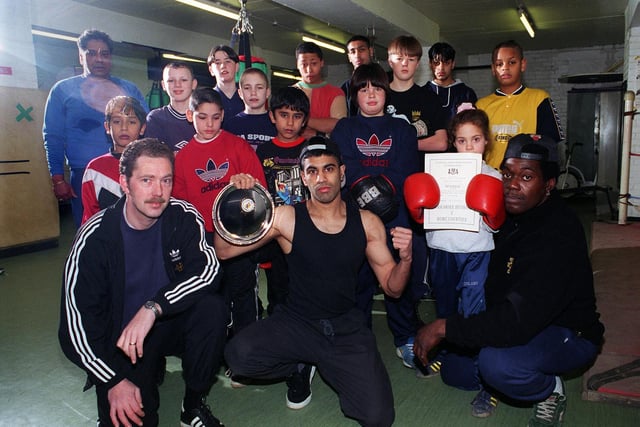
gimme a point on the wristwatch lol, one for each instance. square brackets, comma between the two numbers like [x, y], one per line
[151, 305]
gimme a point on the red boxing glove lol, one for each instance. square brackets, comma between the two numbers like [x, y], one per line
[421, 192]
[61, 188]
[485, 195]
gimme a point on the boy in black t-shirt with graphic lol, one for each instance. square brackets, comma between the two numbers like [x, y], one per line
[289, 112]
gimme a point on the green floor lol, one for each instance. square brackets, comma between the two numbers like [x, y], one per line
[39, 387]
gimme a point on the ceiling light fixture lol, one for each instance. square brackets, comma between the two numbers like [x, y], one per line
[182, 58]
[210, 8]
[53, 35]
[326, 45]
[286, 75]
[526, 20]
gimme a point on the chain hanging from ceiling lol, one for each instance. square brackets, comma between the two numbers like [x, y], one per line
[241, 34]
[371, 35]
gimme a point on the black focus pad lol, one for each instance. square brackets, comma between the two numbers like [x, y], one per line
[376, 194]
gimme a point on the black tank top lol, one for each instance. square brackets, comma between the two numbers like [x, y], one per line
[323, 268]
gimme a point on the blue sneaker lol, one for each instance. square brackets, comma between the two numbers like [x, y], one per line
[483, 405]
[405, 352]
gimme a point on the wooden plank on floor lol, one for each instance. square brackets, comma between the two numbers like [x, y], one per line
[618, 297]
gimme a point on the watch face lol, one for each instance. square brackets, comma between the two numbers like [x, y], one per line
[151, 305]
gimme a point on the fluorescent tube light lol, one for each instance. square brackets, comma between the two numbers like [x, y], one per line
[182, 58]
[210, 8]
[286, 75]
[324, 44]
[52, 35]
[526, 21]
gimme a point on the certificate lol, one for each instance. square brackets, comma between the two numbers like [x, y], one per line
[452, 171]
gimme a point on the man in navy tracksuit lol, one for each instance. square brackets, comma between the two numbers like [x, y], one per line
[139, 284]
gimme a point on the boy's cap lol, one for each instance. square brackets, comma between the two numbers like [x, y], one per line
[320, 143]
[532, 147]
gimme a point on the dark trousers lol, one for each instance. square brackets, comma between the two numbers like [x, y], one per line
[402, 315]
[457, 280]
[240, 285]
[525, 372]
[75, 178]
[196, 335]
[277, 275]
[343, 349]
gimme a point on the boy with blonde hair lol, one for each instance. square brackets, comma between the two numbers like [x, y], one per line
[169, 123]
[420, 107]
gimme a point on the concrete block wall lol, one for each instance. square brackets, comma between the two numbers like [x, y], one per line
[544, 67]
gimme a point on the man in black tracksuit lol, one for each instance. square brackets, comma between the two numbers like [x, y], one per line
[140, 283]
[541, 319]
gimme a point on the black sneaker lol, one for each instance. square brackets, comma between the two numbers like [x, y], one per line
[431, 370]
[299, 393]
[236, 381]
[200, 416]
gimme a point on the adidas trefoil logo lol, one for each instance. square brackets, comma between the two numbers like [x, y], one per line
[213, 172]
[174, 254]
[374, 147]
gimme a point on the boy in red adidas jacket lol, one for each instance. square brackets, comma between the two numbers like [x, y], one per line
[203, 168]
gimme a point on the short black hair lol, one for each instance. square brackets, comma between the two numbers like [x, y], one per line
[205, 95]
[93, 34]
[359, 38]
[222, 48]
[292, 98]
[308, 47]
[150, 147]
[510, 44]
[442, 51]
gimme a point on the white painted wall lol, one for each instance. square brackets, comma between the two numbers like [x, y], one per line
[632, 74]
[16, 50]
